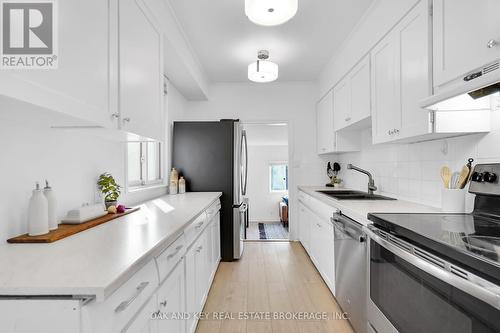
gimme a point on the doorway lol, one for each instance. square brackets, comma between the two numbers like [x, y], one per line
[267, 186]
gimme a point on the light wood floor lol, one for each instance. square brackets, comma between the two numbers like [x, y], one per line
[271, 277]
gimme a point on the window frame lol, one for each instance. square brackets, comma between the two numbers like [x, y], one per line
[143, 182]
[271, 164]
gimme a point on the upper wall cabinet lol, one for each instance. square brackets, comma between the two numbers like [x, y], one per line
[328, 140]
[351, 97]
[466, 36]
[401, 78]
[80, 86]
[141, 71]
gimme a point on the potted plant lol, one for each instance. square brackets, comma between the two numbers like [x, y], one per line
[109, 188]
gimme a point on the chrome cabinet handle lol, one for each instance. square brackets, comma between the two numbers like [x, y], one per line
[177, 249]
[198, 226]
[126, 120]
[348, 119]
[199, 248]
[115, 116]
[164, 303]
[125, 304]
[491, 43]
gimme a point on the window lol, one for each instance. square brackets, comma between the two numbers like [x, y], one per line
[144, 160]
[278, 176]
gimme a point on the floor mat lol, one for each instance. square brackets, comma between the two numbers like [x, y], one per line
[272, 231]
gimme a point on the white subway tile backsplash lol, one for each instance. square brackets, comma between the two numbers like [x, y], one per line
[412, 171]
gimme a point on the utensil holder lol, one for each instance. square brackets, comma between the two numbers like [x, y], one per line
[453, 200]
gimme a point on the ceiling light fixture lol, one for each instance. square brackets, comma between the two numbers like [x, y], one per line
[262, 70]
[270, 12]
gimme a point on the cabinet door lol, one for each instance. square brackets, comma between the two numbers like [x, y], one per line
[416, 84]
[386, 106]
[462, 30]
[216, 241]
[360, 91]
[342, 104]
[316, 251]
[141, 71]
[324, 118]
[304, 226]
[171, 301]
[191, 296]
[327, 265]
[80, 85]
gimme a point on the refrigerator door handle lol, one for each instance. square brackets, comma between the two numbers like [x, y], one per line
[244, 175]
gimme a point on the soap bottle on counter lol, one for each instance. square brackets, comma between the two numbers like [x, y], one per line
[182, 185]
[52, 204]
[38, 213]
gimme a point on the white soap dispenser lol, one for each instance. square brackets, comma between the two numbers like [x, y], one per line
[38, 213]
[52, 204]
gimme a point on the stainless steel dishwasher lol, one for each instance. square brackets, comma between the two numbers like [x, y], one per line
[350, 269]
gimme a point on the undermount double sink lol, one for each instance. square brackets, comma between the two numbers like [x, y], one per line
[353, 195]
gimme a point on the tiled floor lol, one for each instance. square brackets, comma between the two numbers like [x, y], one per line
[275, 278]
[253, 230]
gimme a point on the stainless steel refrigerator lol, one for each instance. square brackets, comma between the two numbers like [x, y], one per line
[212, 157]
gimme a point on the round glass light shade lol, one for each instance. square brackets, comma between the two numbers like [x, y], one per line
[262, 71]
[270, 12]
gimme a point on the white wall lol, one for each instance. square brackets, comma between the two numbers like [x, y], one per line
[412, 171]
[293, 102]
[71, 160]
[263, 203]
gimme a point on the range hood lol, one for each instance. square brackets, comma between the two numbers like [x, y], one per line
[477, 90]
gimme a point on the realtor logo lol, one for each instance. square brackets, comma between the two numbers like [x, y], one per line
[28, 34]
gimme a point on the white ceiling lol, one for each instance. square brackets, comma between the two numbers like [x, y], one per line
[267, 134]
[225, 41]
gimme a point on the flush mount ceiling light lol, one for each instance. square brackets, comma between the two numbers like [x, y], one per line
[262, 70]
[270, 12]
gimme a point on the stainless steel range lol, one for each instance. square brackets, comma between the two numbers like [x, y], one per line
[438, 272]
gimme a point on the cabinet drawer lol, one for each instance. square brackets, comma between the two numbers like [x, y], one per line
[170, 256]
[213, 210]
[124, 303]
[195, 228]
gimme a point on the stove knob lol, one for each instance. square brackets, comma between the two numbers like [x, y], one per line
[477, 177]
[489, 177]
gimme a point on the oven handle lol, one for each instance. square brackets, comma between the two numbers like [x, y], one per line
[474, 285]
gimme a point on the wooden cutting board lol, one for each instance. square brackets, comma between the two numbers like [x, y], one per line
[66, 230]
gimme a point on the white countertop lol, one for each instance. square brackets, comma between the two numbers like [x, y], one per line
[358, 209]
[97, 261]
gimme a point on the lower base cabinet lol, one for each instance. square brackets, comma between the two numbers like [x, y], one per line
[143, 322]
[172, 301]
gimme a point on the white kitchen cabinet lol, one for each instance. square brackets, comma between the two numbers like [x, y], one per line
[141, 71]
[351, 96]
[304, 226]
[329, 141]
[466, 35]
[171, 300]
[324, 120]
[322, 248]
[80, 86]
[401, 78]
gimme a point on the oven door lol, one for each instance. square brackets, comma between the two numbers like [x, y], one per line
[413, 291]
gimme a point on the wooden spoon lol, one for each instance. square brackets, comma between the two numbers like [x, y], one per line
[446, 176]
[464, 176]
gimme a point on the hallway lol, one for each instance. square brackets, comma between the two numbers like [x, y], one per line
[275, 278]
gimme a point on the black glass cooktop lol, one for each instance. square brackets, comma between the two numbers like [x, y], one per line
[471, 240]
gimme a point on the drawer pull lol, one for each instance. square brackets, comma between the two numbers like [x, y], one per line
[123, 305]
[198, 226]
[164, 303]
[199, 248]
[177, 249]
